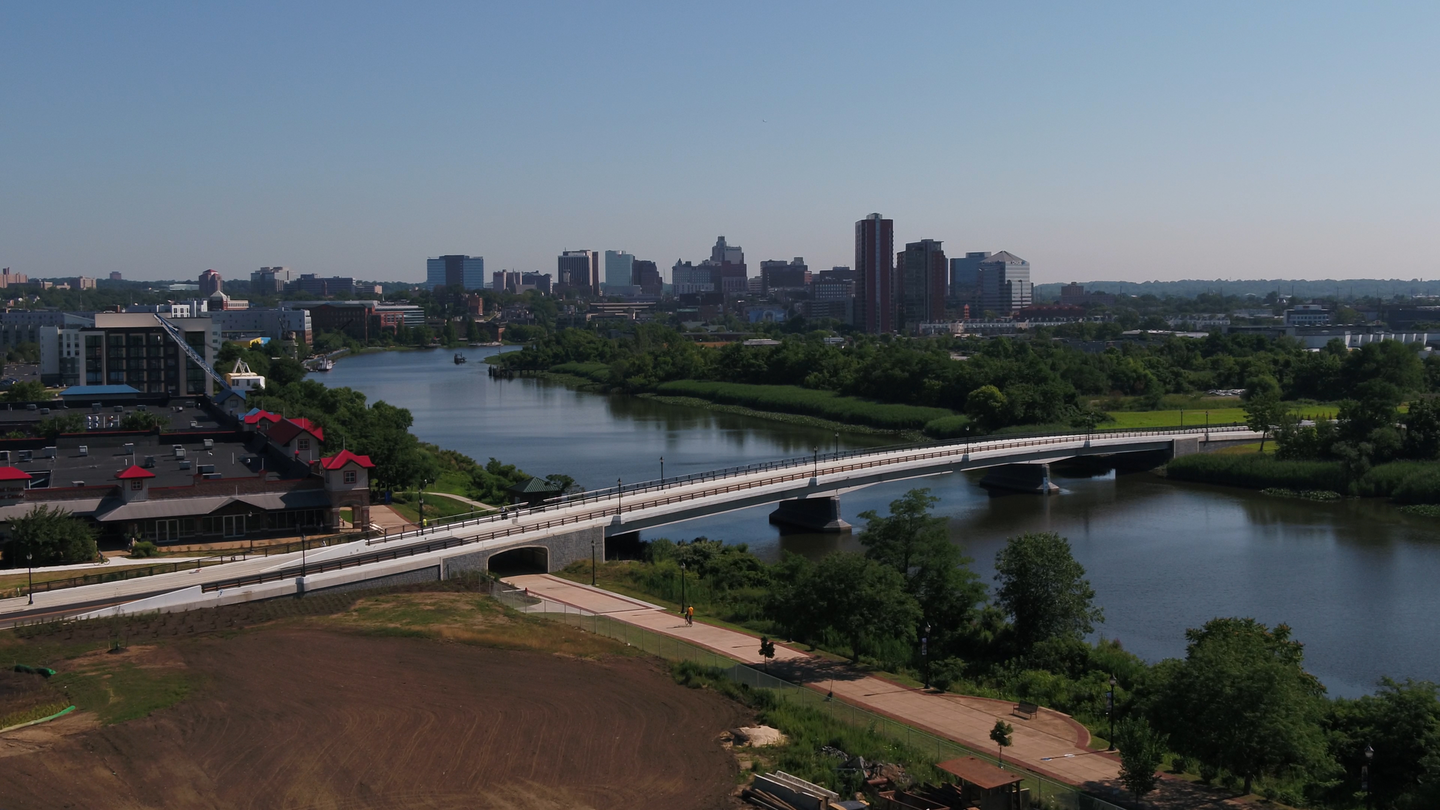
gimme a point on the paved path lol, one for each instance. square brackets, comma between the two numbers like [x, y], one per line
[1051, 744]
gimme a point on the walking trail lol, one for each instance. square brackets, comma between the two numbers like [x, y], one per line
[1050, 743]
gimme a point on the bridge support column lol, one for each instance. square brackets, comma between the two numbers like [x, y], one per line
[1020, 478]
[815, 514]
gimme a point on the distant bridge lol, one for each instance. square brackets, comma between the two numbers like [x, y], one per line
[553, 535]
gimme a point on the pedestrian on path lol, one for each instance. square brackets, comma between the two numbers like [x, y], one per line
[690, 616]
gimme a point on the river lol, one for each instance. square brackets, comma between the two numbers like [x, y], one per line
[1356, 579]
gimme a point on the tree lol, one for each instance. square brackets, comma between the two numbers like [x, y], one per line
[1263, 413]
[143, 420]
[53, 426]
[917, 545]
[1401, 723]
[52, 535]
[1422, 429]
[1001, 735]
[767, 651]
[1044, 589]
[1142, 750]
[27, 391]
[988, 406]
[1242, 700]
[855, 598]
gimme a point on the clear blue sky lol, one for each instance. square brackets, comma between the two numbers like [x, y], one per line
[1098, 140]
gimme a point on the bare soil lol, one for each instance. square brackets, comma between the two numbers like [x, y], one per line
[308, 717]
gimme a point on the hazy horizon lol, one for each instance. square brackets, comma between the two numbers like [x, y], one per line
[1126, 141]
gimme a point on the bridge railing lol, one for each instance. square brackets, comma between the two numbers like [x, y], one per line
[1044, 792]
[956, 447]
[931, 452]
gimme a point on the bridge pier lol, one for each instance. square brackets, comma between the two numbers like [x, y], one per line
[1020, 478]
[813, 514]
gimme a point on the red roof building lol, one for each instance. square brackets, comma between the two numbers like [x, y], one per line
[134, 471]
[13, 474]
[344, 457]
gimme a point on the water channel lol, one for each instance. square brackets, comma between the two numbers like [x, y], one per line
[1356, 579]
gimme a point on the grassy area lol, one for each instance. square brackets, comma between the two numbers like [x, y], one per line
[1196, 417]
[592, 372]
[808, 402]
[116, 693]
[436, 506]
[624, 578]
[453, 482]
[788, 418]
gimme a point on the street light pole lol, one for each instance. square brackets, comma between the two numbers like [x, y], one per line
[30, 574]
[302, 554]
[592, 562]
[683, 600]
[816, 451]
[1365, 776]
[837, 442]
[662, 469]
[1110, 710]
[619, 497]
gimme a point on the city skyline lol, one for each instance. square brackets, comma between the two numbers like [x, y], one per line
[1127, 142]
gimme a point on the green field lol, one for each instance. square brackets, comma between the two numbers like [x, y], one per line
[1218, 416]
[808, 402]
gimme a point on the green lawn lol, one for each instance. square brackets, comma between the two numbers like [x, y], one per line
[1172, 418]
[436, 506]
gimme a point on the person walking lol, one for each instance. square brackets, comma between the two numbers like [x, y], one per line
[690, 616]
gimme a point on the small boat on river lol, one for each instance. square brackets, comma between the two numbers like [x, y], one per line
[459, 358]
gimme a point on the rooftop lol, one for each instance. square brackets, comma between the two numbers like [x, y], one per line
[105, 458]
[979, 773]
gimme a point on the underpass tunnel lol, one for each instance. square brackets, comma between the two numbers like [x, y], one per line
[517, 561]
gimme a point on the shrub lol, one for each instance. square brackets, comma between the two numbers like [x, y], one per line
[1419, 488]
[1259, 472]
[1384, 479]
[948, 427]
[808, 402]
[945, 672]
[1181, 764]
[144, 548]
[595, 372]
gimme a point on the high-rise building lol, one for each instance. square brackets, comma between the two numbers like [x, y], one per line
[727, 268]
[466, 272]
[312, 284]
[269, 280]
[115, 276]
[646, 277]
[687, 278]
[540, 282]
[875, 274]
[210, 283]
[922, 270]
[578, 270]
[619, 272]
[505, 281]
[965, 272]
[790, 276]
[1005, 283]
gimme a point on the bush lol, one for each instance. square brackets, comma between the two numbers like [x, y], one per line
[948, 427]
[1181, 764]
[144, 548]
[808, 402]
[1259, 472]
[1384, 479]
[945, 672]
[596, 372]
[1419, 488]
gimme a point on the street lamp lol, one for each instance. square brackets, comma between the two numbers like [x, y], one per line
[592, 561]
[619, 497]
[816, 451]
[1110, 710]
[837, 442]
[30, 574]
[925, 653]
[683, 600]
[662, 469]
[1365, 776]
[302, 554]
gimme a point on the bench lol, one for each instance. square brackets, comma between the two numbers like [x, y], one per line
[1026, 710]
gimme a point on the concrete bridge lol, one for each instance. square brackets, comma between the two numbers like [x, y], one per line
[573, 528]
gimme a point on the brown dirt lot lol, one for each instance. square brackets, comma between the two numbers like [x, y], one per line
[310, 717]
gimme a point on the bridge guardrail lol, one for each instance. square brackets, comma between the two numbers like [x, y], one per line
[943, 451]
[968, 445]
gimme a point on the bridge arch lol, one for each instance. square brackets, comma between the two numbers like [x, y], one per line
[522, 560]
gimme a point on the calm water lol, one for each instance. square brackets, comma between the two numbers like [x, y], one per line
[1356, 579]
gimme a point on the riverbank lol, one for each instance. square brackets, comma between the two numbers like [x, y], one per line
[1404, 482]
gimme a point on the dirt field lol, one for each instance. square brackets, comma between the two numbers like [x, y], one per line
[306, 716]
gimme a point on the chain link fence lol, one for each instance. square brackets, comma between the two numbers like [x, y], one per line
[1045, 793]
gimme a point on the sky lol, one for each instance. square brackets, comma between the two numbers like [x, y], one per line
[1111, 140]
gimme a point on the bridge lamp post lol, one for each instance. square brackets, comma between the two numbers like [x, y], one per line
[816, 451]
[662, 469]
[30, 574]
[302, 554]
[619, 498]
[683, 600]
[837, 442]
[592, 562]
